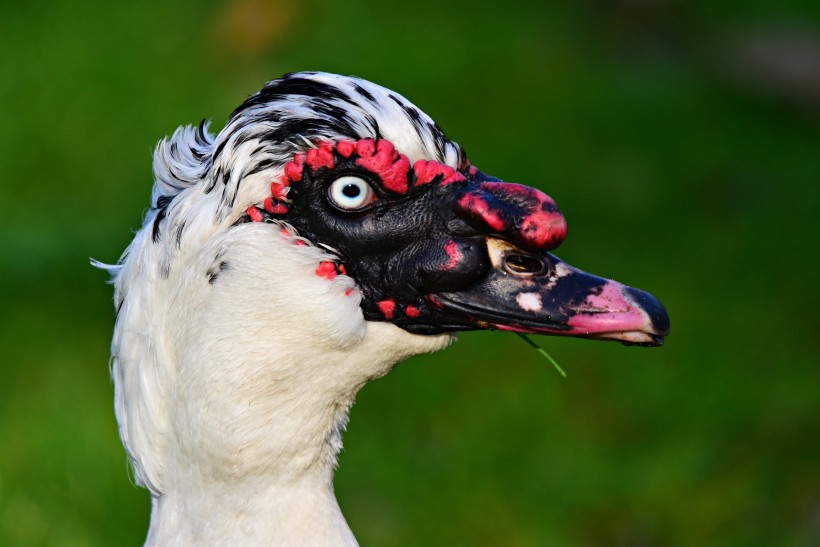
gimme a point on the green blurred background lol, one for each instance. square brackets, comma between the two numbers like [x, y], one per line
[682, 141]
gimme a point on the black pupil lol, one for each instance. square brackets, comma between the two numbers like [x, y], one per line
[351, 191]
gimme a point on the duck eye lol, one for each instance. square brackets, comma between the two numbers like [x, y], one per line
[350, 193]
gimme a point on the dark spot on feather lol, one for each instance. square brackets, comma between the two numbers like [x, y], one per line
[262, 165]
[213, 272]
[376, 130]
[364, 93]
[412, 113]
[438, 136]
[179, 231]
[213, 178]
[200, 138]
[158, 220]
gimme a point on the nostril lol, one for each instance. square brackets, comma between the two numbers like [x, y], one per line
[519, 264]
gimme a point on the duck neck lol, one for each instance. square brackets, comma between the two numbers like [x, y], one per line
[252, 461]
[256, 511]
[252, 455]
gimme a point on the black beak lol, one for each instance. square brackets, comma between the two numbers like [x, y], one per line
[540, 294]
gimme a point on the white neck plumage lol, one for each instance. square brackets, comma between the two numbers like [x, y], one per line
[257, 510]
[234, 377]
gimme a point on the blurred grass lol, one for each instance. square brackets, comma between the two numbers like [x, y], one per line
[660, 111]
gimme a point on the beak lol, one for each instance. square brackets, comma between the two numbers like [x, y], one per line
[541, 294]
[529, 290]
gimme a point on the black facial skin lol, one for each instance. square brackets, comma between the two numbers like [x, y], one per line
[395, 247]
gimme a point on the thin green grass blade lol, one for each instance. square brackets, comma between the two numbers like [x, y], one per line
[528, 340]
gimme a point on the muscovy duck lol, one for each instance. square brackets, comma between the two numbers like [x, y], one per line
[329, 231]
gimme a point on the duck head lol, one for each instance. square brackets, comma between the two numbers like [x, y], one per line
[329, 231]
